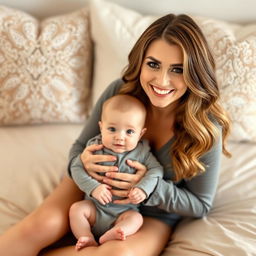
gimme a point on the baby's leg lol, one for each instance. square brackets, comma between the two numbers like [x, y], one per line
[126, 224]
[82, 216]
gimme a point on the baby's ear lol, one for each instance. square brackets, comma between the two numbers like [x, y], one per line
[100, 125]
[143, 132]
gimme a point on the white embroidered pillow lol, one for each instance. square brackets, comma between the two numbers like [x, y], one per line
[45, 67]
[115, 29]
[234, 49]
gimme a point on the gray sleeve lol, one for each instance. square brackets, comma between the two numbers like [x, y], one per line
[154, 171]
[91, 128]
[84, 181]
[193, 197]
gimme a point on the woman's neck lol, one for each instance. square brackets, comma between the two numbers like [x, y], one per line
[159, 126]
[161, 113]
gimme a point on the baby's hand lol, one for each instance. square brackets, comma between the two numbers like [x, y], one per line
[136, 195]
[103, 194]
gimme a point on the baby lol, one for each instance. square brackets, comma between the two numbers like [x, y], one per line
[122, 127]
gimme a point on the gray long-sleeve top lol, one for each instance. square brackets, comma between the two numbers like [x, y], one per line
[192, 198]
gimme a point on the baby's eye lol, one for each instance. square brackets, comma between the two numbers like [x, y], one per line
[178, 70]
[153, 64]
[112, 129]
[130, 131]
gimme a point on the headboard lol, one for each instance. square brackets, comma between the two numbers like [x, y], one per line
[242, 11]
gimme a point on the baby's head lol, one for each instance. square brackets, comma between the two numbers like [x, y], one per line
[122, 123]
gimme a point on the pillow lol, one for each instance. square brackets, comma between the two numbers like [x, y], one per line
[45, 67]
[115, 29]
[234, 49]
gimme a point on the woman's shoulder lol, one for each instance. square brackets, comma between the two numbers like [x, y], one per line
[111, 90]
[115, 86]
[215, 121]
[95, 140]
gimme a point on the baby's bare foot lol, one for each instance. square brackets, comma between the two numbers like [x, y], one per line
[113, 234]
[85, 241]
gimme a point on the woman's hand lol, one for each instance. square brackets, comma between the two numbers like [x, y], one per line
[125, 181]
[90, 162]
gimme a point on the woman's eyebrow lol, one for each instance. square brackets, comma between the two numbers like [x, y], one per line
[177, 65]
[159, 62]
[153, 59]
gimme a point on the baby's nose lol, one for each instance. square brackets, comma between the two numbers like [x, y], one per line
[120, 136]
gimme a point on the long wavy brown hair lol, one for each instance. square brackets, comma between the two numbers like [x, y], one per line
[199, 112]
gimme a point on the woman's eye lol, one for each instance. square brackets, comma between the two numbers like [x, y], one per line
[153, 64]
[130, 131]
[112, 129]
[177, 70]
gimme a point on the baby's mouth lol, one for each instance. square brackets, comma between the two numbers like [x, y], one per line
[118, 145]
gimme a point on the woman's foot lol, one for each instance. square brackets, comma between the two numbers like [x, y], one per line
[113, 234]
[85, 241]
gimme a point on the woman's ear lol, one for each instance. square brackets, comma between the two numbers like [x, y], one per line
[143, 132]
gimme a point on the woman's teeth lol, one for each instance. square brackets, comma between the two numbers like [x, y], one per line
[161, 91]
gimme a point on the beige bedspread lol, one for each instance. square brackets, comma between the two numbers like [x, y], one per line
[34, 158]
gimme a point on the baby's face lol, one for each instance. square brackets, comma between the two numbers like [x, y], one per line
[121, 131]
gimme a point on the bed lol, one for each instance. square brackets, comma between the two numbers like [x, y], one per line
[36, 136]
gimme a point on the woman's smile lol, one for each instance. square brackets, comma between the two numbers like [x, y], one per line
[161, 92]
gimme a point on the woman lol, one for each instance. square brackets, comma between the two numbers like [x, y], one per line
[172, 70]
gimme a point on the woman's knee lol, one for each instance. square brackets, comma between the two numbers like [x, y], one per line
[46, 222]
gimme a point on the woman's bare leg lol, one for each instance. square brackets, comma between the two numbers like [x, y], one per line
[45, 225]
[150, 240]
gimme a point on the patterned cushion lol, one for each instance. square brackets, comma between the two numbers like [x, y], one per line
[234, 48]
[115, 30]
[45, 67]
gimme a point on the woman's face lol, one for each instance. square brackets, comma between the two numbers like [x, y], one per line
[162, 73]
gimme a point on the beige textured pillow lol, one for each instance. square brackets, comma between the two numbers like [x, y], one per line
[45, 67]
[115, 29]
[234, 49]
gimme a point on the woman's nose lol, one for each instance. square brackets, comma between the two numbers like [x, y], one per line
[163, 79]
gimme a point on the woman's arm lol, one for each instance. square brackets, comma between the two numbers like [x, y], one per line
[154, 171]
[192, 197]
